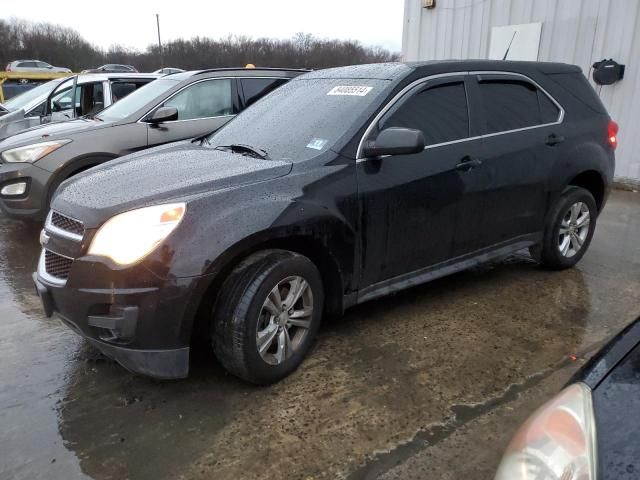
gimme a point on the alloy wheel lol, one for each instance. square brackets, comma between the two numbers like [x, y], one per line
[284, 320]
[574, 229]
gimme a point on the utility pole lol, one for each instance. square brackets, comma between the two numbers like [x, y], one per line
[159, 42]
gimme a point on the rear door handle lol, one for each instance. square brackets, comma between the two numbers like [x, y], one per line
[467, 163]
[554, 139]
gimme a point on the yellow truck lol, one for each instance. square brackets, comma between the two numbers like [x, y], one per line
[26, 78]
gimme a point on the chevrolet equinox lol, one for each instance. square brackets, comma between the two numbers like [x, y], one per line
[341, 186]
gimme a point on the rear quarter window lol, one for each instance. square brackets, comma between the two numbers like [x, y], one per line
[577, 86]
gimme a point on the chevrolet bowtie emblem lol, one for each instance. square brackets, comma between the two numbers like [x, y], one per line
[44, 238]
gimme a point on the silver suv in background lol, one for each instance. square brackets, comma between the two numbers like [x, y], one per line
[51, 101]
[34, 66]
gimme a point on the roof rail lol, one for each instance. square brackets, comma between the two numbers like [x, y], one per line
[272, 69]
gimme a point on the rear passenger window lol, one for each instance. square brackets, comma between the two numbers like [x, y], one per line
[514, 104]
[256, 88]
[440, 112]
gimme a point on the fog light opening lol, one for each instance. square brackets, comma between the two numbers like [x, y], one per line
[15, 189]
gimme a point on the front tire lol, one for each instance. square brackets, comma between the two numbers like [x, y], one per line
[267, 315]
[569, 229]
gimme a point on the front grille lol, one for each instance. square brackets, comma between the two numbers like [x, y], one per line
[67, 224]
[56, 265]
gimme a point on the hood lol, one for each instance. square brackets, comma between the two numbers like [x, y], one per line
[160, 175]
[51, 131]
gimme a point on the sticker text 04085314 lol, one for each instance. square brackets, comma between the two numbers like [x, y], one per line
[350, 90]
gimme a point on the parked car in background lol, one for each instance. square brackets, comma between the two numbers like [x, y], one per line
[175, 107]
[339, 187]
[93, 93]
[112, 68]
[34, 66]
[589, 430]
[168, 70]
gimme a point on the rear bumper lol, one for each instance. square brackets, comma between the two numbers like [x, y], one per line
[146, 330]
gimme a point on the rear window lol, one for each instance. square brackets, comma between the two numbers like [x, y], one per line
[513, 104]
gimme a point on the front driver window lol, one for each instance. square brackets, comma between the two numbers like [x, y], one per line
[211, 98]
[440, 112]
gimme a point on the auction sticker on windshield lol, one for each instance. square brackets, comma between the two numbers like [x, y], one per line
[353, 90]
[317, 143]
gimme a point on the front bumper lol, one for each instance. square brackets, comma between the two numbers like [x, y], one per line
[32, 204]
[146, 329]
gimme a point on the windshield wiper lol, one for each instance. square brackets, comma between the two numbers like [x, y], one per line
[203, 139]
[245, 150]
[92, 116]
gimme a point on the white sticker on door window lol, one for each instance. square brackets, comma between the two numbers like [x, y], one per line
[351, 90]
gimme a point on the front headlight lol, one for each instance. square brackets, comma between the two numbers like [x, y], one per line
[130, 236]
[558, 442]
[32, 153]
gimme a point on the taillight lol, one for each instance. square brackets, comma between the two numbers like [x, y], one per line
[8, 67]
[612, 134]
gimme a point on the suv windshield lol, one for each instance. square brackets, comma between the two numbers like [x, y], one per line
[25, 99]
[136, 100]
[302, 118]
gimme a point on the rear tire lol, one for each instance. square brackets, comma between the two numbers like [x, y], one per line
[257, 336]
[569, 229]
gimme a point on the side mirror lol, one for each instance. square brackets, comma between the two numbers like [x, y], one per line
[395, 141]
[163, 114]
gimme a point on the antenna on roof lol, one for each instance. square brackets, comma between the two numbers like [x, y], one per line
[510, 43]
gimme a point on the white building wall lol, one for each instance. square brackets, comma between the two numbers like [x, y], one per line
[573, 31]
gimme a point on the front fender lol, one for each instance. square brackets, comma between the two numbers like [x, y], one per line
[208, 247]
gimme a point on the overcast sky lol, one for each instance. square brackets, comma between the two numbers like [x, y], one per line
[132, 22]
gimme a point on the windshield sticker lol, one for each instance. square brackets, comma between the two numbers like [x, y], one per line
[317, 143]
[351, 90]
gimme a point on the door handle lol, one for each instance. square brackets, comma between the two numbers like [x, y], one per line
[467, 163]
[554, 139]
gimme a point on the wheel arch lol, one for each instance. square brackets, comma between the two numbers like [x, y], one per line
[593, 181]
[303, 243]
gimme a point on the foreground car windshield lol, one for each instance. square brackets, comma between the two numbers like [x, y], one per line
[25, 99]
[302, 118]
[136, 100]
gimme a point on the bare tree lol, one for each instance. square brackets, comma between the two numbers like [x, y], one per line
[65, 47]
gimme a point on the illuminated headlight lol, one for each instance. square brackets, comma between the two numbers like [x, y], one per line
[130, 236]
[32, 153]
[558, 442]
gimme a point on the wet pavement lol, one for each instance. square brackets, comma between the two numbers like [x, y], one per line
[429, 383]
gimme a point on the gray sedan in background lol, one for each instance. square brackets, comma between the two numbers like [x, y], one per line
[175, 107]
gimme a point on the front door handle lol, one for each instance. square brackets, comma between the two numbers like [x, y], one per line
[554, 139]
[467, 163]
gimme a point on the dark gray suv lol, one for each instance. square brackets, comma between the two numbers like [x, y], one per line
[176, 107]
